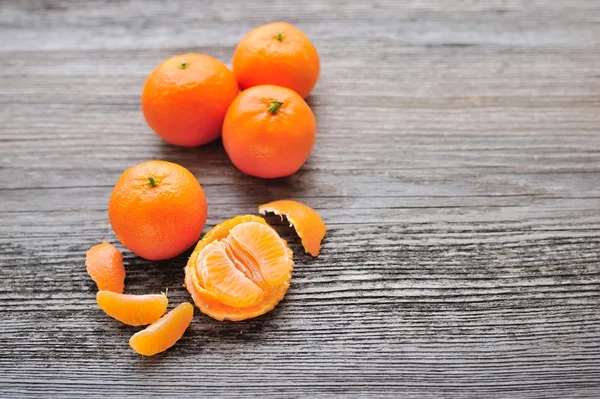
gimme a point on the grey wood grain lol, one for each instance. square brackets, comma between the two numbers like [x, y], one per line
[457, 166]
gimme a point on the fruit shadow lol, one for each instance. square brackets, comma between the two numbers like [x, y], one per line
[230, 192]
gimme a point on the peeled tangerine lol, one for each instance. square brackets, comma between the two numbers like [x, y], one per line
[163, 334]
[306, 221]
[135, 310]
[104, 264]
[239, 270]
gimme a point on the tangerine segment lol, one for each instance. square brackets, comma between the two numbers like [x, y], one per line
[163, 334]
[221, 277]
[104, 264]
[306, 221]
[135, 310]
[263, 244]
[239, 270]
[221, 230]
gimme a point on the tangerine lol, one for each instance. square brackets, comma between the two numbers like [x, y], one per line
[135, 310]
[269, 131]
[306, 221]
[239, 270]
[104, 264]
[185, 99]
[277, 53]
[157, 209]
[163, 334]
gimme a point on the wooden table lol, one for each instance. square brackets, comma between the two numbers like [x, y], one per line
[457, 166]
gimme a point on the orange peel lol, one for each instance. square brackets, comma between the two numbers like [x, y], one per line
[104, 264]
[306, 221]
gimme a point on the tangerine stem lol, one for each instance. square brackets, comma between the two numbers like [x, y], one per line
[274, 107]
[183, 65]
[279, 37]
[153, 182]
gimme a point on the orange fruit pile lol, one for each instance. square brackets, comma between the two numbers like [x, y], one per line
[241, 268]
[268, 129]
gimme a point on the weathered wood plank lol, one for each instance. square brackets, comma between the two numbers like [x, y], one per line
[457, 166]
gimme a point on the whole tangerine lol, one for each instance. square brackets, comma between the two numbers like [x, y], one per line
[186, 97]
[277, 53]
[157, 209]
[269, 131]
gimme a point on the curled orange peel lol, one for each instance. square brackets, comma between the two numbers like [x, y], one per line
[306, 221]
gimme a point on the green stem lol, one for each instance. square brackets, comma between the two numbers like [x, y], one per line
[153, 182]
[275, 105]
[279, 37]
[183, 65]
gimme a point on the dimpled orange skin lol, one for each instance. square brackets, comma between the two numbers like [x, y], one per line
[185, 99]
[208, 303]
[277, 53]
[269, 144]
[104, 264]
[161, 221]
